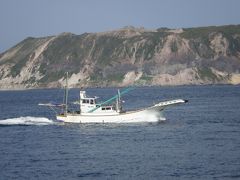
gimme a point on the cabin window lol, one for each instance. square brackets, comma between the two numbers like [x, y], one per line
[103, 108]
[108, 108]
[85, 101]
[91, 101]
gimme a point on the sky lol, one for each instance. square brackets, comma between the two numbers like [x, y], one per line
[20, 19]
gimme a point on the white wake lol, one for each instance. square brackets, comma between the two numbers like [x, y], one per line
[28, 120]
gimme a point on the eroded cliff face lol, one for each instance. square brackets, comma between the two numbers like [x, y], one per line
[209, 55]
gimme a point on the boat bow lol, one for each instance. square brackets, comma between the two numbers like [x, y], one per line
[162, 105]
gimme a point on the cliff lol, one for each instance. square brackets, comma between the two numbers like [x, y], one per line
[205, 55]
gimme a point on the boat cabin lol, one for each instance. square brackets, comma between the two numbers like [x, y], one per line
[87, 104]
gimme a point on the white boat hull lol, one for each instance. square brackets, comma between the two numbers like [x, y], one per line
[130, 117]
[151, 114]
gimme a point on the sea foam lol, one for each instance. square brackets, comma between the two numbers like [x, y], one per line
[28, 120]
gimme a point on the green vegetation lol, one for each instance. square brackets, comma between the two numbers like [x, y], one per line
[16, 69]
[64, 54]
[193, 33]
[43, 68]
[66, 51]
[163, 29]
[145, 45]
[202, 35]
[234, 45]
[94, 77]
[106, 49]
[31, 80]
[146, 78]
[174, 47]
[24, 54]
[206, 73]
[118, 77]
[52, 76]
[201, 49]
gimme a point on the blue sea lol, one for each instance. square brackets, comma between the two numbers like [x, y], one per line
[198, 140]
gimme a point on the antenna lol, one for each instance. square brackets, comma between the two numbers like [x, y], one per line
[119, 101]
[66, 95]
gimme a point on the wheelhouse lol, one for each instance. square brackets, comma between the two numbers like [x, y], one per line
[88, 105]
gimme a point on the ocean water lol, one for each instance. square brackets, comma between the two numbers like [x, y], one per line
[199, 140]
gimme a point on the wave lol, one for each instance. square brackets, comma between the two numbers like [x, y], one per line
[28, 120]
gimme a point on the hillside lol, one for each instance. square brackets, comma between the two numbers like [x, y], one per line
[205, 55]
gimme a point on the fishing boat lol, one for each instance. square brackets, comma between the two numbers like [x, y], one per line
[109, 111]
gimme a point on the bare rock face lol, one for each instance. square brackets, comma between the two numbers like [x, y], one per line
[128, 56]
[219, 44]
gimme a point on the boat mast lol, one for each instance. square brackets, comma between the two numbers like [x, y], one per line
[66, 95]
[119, 106]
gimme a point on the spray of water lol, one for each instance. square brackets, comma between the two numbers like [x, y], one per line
[152, 116]
[28, 120]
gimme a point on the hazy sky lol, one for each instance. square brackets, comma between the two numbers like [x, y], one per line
[23, 18]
